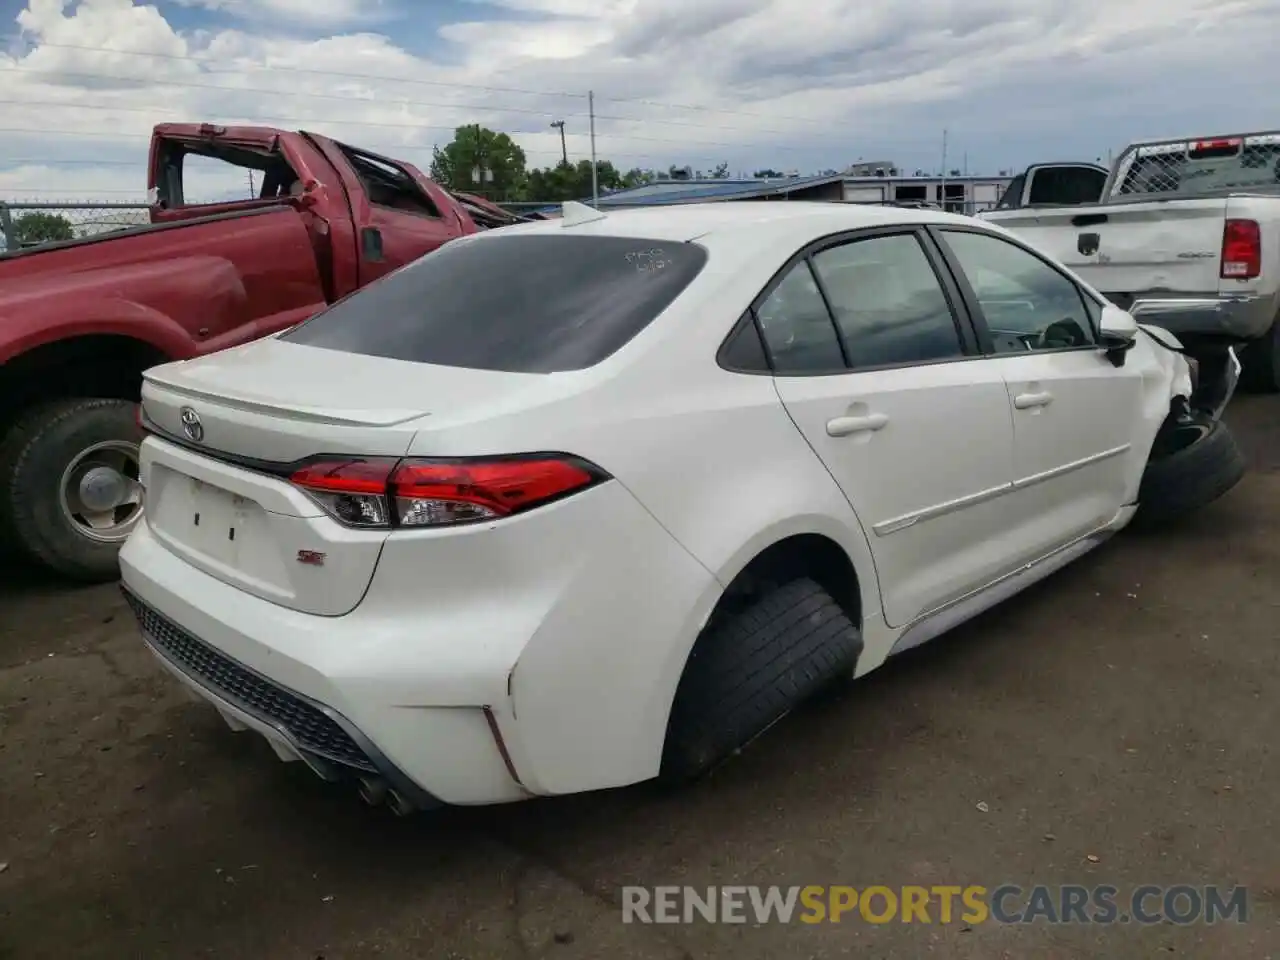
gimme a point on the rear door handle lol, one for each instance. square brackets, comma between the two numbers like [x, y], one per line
[845, 426]
[1024, 401]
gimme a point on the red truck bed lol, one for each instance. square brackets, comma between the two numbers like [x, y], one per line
[81, 320]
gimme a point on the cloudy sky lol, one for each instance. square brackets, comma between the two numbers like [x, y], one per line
[790, 84]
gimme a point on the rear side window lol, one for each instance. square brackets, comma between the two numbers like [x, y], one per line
[797, 327]
[538, 303]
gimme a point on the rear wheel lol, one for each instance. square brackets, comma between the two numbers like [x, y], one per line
[69, 485]
[751, 667]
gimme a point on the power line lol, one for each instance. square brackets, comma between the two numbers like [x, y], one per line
[521, 110]
[86, 75]
[390, 149]
[166, 82]
[41, 192]
[286, 68]
[56, 105]
[382, 78]
[60, 105]
[685, 106]
[111, 135]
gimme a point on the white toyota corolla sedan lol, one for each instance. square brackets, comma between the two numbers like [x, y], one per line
[574, 504]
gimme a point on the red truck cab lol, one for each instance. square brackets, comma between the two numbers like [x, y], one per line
[80, 320]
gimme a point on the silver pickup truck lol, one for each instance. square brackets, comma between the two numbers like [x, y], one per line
[1183, 233]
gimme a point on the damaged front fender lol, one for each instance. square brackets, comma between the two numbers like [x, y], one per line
[1205, 377]
[1216, 383]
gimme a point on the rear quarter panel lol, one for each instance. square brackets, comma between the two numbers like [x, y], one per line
[711, 456]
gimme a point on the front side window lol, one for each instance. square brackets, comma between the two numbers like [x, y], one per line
[888, 302]
[1027, 304]
[537, 303]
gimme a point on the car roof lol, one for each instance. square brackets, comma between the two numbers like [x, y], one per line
[785, 218]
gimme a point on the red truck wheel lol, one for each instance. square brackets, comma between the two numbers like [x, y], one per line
[69, 490]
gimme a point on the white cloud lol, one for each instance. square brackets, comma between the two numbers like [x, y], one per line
[312, 12]
[775, 83]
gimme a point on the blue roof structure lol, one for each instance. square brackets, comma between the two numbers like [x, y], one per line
[661, 192]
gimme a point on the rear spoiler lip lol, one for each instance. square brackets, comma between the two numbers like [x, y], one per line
[376, 419]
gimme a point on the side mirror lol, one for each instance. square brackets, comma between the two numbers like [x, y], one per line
[1118, 323]
[1119, 333]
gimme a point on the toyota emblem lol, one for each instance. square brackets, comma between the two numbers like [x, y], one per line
[191, 424]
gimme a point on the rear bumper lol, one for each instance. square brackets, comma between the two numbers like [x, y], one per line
[1240, 318]
[321, 689]
[529, 658]
[297, 727]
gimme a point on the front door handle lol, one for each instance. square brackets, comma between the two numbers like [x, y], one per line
[1025, 401]
[845, 426]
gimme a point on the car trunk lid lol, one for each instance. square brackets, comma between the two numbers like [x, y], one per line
[230, 430]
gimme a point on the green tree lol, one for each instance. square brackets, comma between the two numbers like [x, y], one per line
[721, 172]
[572, 181]
[41, 227]
[475, 147]
[635, 177]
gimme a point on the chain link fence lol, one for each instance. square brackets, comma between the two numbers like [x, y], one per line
[32, 224]
[24, 225]
[1206, 166]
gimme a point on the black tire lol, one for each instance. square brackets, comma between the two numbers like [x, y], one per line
[34, 454]
[752, 667]
[1260, 363]
[1191, 477]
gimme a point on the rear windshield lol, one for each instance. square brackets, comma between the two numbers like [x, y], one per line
[524, 304]
[1205, 169]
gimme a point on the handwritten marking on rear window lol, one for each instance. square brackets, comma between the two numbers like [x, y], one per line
[648, 261]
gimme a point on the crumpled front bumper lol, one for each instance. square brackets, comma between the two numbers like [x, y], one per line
[1212, 395]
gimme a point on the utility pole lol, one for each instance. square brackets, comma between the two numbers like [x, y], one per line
[942, 188]
[595, 180]
[564, 150]
[480, 172]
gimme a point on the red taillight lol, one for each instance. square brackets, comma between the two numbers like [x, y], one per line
[353, 490]
[1241, 250]
[346, 476]
[424, 492]
[432, 492]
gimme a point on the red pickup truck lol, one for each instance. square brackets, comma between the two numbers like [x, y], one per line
[81, 320]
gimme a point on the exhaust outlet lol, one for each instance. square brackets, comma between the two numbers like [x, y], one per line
[373, 792]
[399, 805]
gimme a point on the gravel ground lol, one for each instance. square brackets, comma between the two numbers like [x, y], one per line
[1112, 725]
